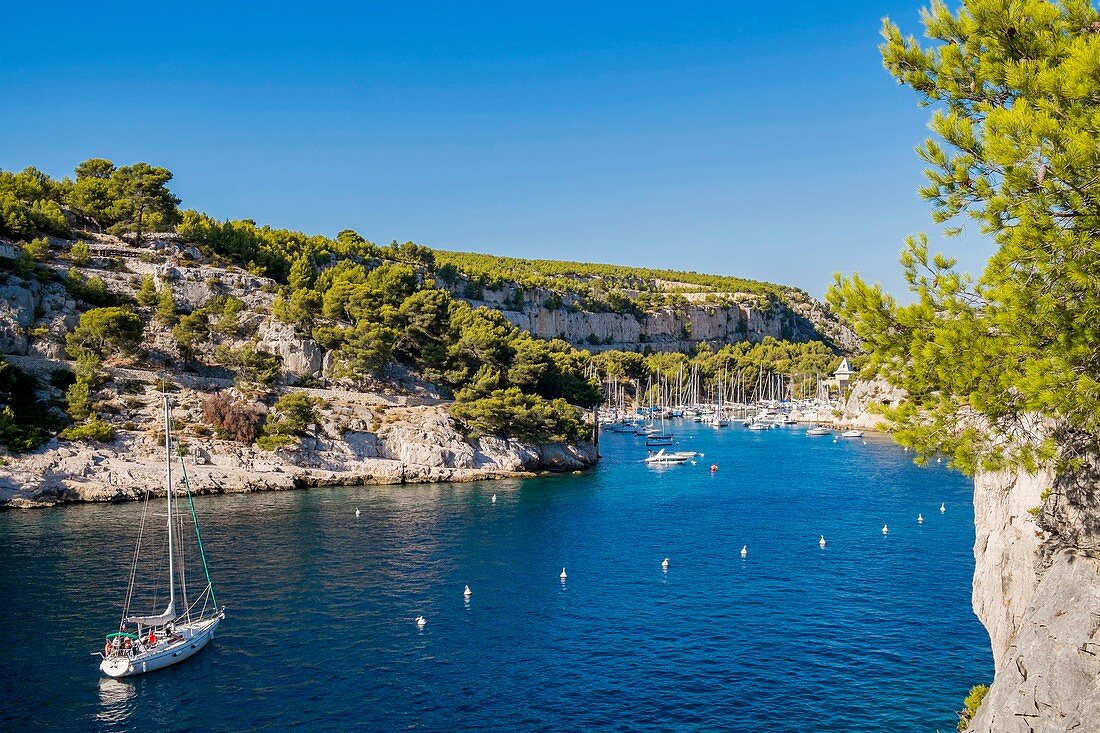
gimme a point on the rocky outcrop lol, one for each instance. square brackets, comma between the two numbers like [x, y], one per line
[1037, 591]
[866, 397]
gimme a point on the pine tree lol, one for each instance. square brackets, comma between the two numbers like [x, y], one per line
[991, 365]
[166, 305]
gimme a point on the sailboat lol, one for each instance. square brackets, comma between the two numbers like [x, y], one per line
[186, 625]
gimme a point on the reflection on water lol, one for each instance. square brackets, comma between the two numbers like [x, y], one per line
[115, 707]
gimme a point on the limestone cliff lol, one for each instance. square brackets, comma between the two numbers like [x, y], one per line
[1037, 591]
[698, 317]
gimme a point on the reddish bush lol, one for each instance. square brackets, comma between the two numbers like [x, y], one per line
[232, 418]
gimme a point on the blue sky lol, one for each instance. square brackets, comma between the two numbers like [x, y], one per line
[763, 141]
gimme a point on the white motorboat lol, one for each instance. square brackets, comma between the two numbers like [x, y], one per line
[662, 457]
[818, 430]
[658, 439]
[756, 425]
[852, 434]
[144, 643]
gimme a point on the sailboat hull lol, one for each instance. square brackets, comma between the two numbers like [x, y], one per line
[194, 636]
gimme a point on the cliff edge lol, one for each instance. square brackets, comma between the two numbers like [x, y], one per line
[1037, 591]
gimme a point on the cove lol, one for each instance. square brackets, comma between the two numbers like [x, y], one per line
[870, 633]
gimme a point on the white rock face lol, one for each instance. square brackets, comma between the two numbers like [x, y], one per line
[1006, 551]
[1037, 590]
[302, 357]
[865, 394]
[742, 317]
[17, 307]
[1047, 678]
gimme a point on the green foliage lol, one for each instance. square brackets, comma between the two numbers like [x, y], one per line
[25, 421]
[220, 316]
[93, 429]
[510, 412]
[275, 442]
[748, 363]
[255, 368]
[273, 252]
[147, 292]
[80, 254]
[191, 332]
[140, 199]
[78, 398]
[29, 203]
[89, 289]
[597, 281]
[290, 417]
[366, 349]
[38, 249]
[104, 332]
[987, 363]
[166, 305]
[131, 198]
[294, 413]
[971, 704]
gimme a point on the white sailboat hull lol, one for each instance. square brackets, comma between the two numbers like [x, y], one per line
[193, 637]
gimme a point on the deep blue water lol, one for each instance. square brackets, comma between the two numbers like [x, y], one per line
[872, 633]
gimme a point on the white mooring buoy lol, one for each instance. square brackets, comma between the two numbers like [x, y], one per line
[821, 542]
[920, 519]
[745, 551]
[357, 511]
[420, 622]
[563, 576]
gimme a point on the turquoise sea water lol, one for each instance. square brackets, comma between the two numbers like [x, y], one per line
[872, 633]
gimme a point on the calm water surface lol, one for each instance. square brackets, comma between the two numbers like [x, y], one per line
[872, 633]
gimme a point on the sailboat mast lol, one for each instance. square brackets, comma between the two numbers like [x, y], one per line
[168, 473]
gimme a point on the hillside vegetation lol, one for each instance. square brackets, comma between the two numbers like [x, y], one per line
[365, 312]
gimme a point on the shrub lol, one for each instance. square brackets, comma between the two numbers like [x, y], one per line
[25, 422]
[232, 418]
[38, 249]
[970, 705]
[80, 254]
[166, 305]
[295, 412]
[93, 429]
[254, 367]
[290, 416]
[275, 442]
[105, 331]
[78, 398]
[147, 293]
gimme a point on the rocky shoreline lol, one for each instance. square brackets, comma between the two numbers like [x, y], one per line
[360, 438]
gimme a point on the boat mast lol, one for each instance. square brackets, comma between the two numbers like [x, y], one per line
[168, 469]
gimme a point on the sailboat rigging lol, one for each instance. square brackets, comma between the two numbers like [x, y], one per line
[144, 643]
